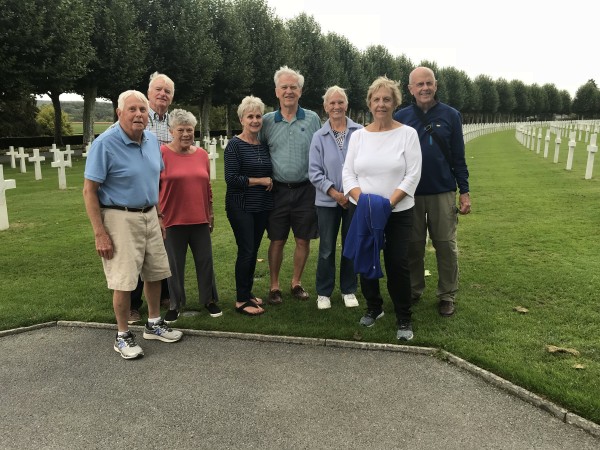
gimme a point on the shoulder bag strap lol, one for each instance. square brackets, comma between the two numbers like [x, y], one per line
[429, 128]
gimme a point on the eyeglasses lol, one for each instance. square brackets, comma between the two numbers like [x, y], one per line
[293, 87]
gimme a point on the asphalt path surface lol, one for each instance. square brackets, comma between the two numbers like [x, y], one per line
[64, 387]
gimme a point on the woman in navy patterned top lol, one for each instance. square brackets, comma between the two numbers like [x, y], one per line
[248, 200]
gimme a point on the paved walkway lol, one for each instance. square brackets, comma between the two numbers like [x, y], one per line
[65, 387]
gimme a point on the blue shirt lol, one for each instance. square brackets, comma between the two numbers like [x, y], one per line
[128, 172]
[289, 143]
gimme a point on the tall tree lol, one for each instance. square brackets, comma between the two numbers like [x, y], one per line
[118, 62]
[522, 99]
[506, 96]
[554, 101]
[587, 100]
[454, 92]
[489, 97]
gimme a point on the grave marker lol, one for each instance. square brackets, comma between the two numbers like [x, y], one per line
[11, 152]
[213, 155]
[69, 152]
[22, 156]
[54, 151]
[36, 159]
[571, 150]
[592, 149]
[557, 142]
[87, 149]
[61, 164]
[4, 185]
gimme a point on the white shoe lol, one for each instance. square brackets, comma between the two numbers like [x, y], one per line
[350, 300]
[323, 302]
[127, 346]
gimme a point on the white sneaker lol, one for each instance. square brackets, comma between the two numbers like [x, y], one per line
[323, 302]
[127, 346]
[350, 300]
[160, 331]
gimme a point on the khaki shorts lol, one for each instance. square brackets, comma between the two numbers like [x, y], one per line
[139, 249]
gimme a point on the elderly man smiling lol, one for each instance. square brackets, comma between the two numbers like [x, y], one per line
[121, 193]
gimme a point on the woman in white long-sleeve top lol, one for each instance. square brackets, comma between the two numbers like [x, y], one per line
[384, 159]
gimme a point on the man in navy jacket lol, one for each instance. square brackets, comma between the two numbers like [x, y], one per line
[444, 169]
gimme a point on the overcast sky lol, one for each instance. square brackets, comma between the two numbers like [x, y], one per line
[533, 41]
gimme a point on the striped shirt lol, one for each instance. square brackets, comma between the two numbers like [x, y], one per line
[242, 161]
[289, 143]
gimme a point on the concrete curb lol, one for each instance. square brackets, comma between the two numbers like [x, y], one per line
[555, 410]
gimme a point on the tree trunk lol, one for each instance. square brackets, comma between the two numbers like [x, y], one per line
[55, 97]
[205, 114]
[89, 108]
[228, 124]
[115, 106]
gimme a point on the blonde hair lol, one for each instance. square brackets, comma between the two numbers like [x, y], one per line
[250, 103]
[385, 82]
[333, 90]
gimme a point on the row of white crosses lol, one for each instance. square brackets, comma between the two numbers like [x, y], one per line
[59, 162]
[527, 136]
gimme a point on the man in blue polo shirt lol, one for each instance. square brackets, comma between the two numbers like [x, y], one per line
[288, 133]
[120, 191]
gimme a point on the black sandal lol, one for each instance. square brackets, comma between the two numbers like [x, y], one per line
[248, 304]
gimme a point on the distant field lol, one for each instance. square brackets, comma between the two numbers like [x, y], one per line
[99, 127]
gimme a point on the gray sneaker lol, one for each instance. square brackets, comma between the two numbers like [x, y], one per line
[160, 331]
[127, 346]
[405, 332]
[368, 320]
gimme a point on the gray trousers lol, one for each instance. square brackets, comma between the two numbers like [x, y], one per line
[197, 237]
[436, 214]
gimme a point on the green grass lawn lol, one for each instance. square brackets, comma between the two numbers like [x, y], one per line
[99, 127]
[531, 241]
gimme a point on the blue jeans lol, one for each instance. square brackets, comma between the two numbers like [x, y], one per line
[248, 229]
[329, 227]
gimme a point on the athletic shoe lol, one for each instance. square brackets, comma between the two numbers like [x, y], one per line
[323, 302]
[368, 320]
[171, 316]
[127, 346]
[350, 300]
[134, 317]
[405, 332]
[160, 331]
[214, 310]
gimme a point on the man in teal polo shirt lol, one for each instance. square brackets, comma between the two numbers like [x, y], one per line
[288, 133]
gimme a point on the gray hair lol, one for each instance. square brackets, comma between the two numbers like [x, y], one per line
[161, 76]
[385, 82]
[125, 95]
[250, 103]
[333, 90]
[285, 70]
[181, 117]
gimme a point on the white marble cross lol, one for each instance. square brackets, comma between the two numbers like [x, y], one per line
[69, 152]
[221, 141]
[539, 143]
[36, 159]
[547, 139]
[571, 150]
[87, 149]
[206, 141]
[213, 155]
[23, 159]
[225, 142]
[592, 149]
[4, 185]
[11, 152]
[61, 164]
[54, 151]
[557, 142]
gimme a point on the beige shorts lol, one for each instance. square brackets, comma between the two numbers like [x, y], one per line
[139, 249]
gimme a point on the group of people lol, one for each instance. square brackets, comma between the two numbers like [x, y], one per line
[387, 186]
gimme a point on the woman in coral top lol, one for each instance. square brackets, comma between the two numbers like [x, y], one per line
[185, 199]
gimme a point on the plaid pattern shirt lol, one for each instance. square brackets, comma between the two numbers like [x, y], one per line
[159, 127]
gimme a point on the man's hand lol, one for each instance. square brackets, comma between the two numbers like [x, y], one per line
[104, 246]
[464, 202]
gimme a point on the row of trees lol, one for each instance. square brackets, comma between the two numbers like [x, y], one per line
[218, 51]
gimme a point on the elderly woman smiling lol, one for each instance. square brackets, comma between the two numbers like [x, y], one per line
[383, 168]
[248, 171]
[185, 198]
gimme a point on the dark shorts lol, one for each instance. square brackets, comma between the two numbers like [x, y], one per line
[293, 208]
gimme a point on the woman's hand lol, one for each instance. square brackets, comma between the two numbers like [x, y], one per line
[268, 183]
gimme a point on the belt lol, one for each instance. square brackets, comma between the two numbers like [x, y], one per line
[126, 208]
[291, 185]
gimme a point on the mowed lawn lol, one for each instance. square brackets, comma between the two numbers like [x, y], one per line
[531, 242]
